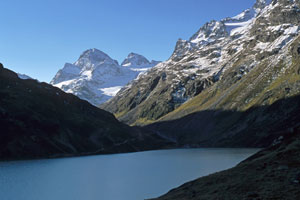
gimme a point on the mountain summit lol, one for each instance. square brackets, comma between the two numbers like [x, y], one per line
[93, 57]
[135, 60]
[96, 77]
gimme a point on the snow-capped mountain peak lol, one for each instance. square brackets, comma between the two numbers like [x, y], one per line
[23, 76]
[134, 59]
[96, 77]
[209, 33]
[261, 4]
[215, 31]
[94, 57]
[154, 62]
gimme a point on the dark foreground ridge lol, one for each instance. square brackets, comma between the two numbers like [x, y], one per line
[38, 120]
[271, 174]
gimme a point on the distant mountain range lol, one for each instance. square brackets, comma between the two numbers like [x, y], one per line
[96, 77]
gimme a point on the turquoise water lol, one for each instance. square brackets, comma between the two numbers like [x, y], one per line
[132, 176]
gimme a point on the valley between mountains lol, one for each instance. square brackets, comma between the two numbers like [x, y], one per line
[220, 88]
[234, 83]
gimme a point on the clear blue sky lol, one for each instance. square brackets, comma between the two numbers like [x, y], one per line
[39, 36]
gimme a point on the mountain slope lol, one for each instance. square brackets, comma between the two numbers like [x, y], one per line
[39, 120]
[96, 77]
[271, 174]
[255, 127]
[273, 80]
[228, 50]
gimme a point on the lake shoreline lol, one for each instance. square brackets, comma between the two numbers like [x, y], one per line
[62, 156]
[272, 173]
[134, 176]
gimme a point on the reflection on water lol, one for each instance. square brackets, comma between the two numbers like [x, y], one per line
[132, 176]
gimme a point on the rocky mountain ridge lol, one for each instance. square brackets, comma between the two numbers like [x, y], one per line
[96, 77]
[221, 50]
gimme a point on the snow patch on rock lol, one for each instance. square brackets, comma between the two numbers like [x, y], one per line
[23, 76]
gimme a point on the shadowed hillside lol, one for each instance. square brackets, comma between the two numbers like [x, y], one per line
[39, 120]
[256, 127]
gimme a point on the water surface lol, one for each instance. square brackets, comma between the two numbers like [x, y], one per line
[133, 176]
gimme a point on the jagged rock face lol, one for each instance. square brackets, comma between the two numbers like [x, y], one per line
[229, 49]
[96, 77]
[261, 4]
[239, 109]
[209, 33]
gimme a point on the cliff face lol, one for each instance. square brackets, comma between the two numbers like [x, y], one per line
[38, 120]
